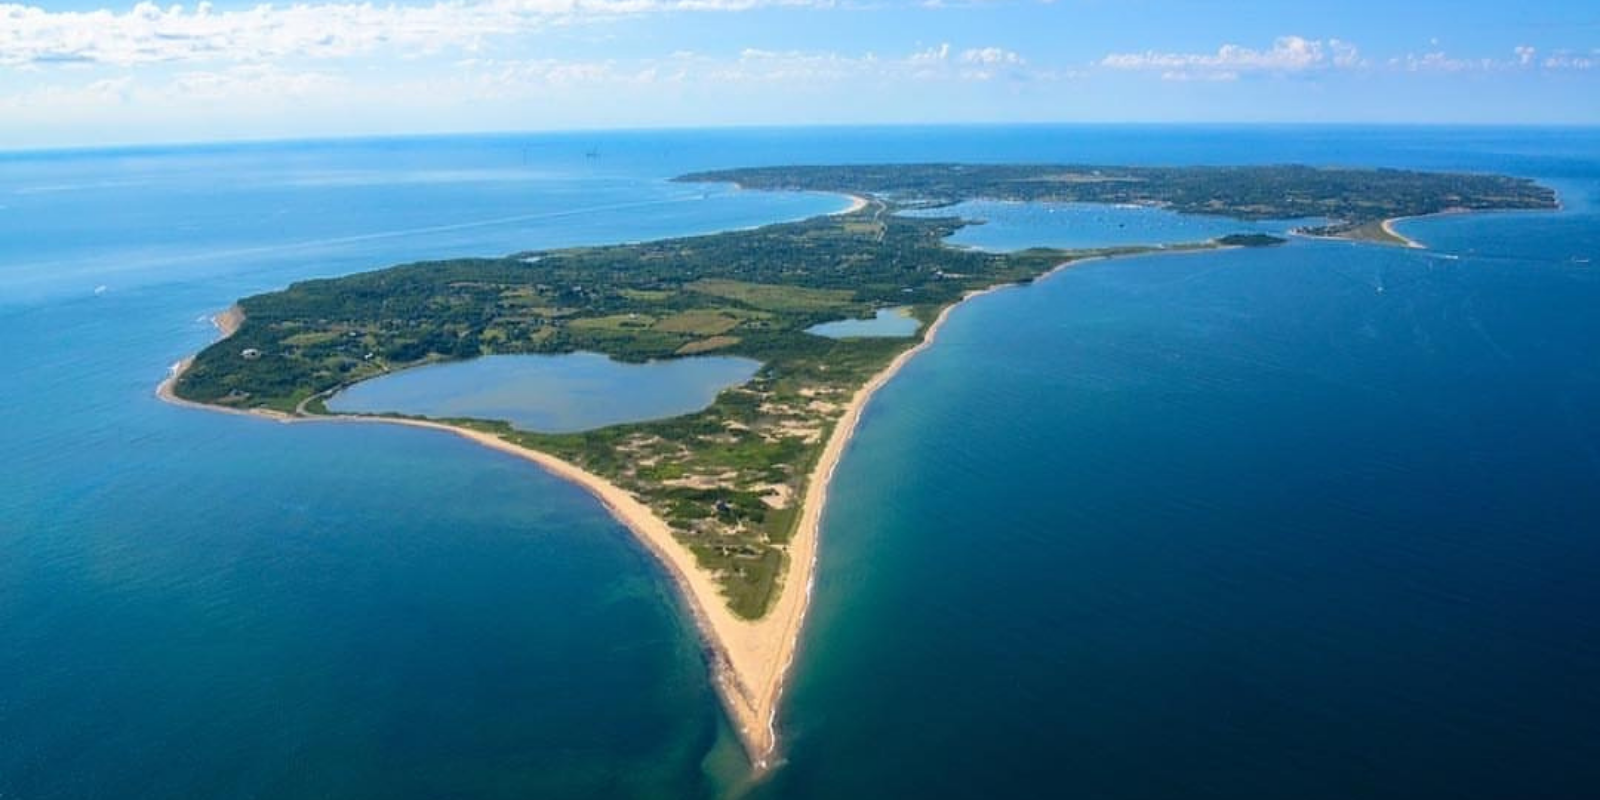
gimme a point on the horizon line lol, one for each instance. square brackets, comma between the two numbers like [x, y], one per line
[266, 141]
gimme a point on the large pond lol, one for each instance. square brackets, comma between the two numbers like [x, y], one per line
[1016, 226]
[550, 393]
[888, 322]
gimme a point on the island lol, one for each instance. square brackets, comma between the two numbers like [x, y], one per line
[729, 498]
[1351, 203]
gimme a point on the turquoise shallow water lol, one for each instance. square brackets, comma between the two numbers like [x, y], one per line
[551, 394]
[1231, 524]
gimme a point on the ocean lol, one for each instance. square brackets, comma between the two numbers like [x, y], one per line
[1320, 520]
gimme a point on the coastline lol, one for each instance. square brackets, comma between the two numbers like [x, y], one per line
[750, 659]
[857, 202]
[1388, 224]
[1402, 239]
[229, 320]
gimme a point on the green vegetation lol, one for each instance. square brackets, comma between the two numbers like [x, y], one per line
[1371, 232]
[1349, 198]
[729, 479]
[1251, 240]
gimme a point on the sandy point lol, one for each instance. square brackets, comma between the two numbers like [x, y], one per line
[857, 202]
[750, 659]
[1388, 227]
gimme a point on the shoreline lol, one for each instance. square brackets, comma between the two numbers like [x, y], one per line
[857, 202]
[647, 528]
[1404, 240]
[749, 659]
[1396, 239]
[1388, 224]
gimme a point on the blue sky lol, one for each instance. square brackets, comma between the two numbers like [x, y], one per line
[79, 73]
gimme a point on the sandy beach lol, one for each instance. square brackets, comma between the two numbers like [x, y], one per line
[1388, 227]
[857, 202]
[229, 320]
[750, 658]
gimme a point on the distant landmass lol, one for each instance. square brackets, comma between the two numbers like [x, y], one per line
[1354, 201]
[729, 497]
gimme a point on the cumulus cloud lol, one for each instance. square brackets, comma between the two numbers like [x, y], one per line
[940, 62]
[1573, 61]
[510, 77]
[932, 55]
[785, 65]
[240, 90]
[1288, 54]
[266, 93]
[1439, 61]
[1523, 57]
[253, 81]
[148, 33]
[1295, 54]
[991, 55]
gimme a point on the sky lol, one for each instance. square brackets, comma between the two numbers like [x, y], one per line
[83, 73]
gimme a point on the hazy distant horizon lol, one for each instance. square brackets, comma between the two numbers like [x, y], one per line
[579, 131]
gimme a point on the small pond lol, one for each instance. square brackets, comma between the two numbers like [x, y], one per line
[888, 322]
[550, 393]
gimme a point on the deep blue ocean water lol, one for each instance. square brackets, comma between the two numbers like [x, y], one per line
[1313, 521]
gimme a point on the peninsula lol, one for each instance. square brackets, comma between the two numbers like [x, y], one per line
[730, 498]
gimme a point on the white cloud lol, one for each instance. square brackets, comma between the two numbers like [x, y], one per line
[505, 78]
[1288, 54]
[253, 91]
[992, 56]
[259, 98]
[940, 62]
[973, 64]
[932, 55]
[1295, 54]
[1438, 61]
[1523, 57]
[146, 34]
[787, 65]
[1186, 76]
[1571, 61]
[1345, 54]
[253, 82]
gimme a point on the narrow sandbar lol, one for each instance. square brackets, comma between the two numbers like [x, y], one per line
[750, 659]
[1388, 228]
